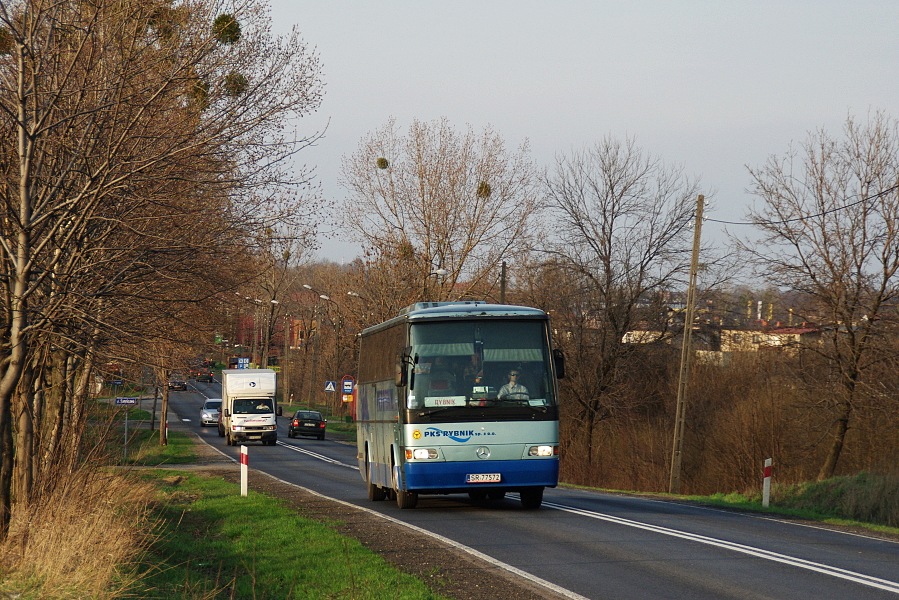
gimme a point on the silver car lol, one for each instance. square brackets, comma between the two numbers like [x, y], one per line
[209, 414]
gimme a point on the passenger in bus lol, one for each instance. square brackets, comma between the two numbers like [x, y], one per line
[473, 374]
[443, 380]
[513, 390]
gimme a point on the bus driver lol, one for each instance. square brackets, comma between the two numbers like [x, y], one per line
[513, 390]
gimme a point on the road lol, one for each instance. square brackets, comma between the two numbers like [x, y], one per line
[595, 545]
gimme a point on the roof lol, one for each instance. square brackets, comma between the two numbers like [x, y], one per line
[462, 309]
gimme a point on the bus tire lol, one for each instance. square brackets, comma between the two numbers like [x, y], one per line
[531, 498]
[406, 499]
[375, 492]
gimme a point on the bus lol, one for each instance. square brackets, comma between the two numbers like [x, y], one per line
[459, 397]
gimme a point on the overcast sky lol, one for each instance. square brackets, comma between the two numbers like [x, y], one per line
[712, 86]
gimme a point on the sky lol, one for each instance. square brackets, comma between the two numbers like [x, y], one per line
[711, 86]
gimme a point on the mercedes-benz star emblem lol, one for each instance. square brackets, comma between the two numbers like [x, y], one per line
[483, 452]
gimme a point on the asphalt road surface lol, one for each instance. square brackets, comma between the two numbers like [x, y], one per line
[594, 545]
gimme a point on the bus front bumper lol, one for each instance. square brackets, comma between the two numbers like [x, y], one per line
[454, 477]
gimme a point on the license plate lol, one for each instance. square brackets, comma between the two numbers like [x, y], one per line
[482, 478]
[308, 424]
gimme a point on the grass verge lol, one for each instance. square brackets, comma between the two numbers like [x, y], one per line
[216, 543]
[865, 500]
[144, 449]
[162, 533]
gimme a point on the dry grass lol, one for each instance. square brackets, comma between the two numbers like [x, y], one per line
[70, 541]
[738, 415]
[865, 497]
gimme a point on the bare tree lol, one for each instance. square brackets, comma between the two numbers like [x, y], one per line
[129, 119]
[829, 222]
[440, 209]
[623, 223]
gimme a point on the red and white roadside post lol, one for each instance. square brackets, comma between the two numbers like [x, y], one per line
[244, 469]
[766, 485]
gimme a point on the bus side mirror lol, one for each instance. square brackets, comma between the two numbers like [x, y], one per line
[559, 361]
[400, 374]
[401, 377]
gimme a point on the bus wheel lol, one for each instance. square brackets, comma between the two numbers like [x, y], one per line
[375, 492]
[406, 499]
[531, 498]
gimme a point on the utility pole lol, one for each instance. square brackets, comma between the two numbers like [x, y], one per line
[686, 354]
[285, 367]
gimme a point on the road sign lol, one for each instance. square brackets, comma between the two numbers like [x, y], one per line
[330, 386]
[347, 384]
[125, 401]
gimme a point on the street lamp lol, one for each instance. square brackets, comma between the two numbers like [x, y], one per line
[269, 325]
[256, 328]
[285, 367]
[336, 324]
[337, 328]
[316, 345]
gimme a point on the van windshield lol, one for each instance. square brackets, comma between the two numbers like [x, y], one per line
[254, 406]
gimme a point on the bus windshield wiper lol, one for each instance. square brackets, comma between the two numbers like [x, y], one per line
[437, 411]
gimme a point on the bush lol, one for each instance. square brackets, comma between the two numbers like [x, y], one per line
[863, 497]
[70, 539]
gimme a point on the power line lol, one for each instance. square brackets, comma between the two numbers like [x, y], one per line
[821, 214]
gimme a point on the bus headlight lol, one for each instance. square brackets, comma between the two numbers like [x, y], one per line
[421, 453]
[543, 450]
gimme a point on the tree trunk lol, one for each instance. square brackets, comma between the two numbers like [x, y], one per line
[839, 438]
[164, 419]
[55, 403]
[23, 477]
[7, 457]
[589, 436]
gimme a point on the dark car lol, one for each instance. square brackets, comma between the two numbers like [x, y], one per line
[177, 384]
[205, 376]
[307, 422]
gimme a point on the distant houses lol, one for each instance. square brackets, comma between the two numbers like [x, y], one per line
[788, 340]
[709, 339]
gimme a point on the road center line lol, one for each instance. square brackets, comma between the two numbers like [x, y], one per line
[317, 456]
[883, 584]
[875, 582]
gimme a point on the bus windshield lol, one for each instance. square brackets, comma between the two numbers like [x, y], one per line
[491, 365]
